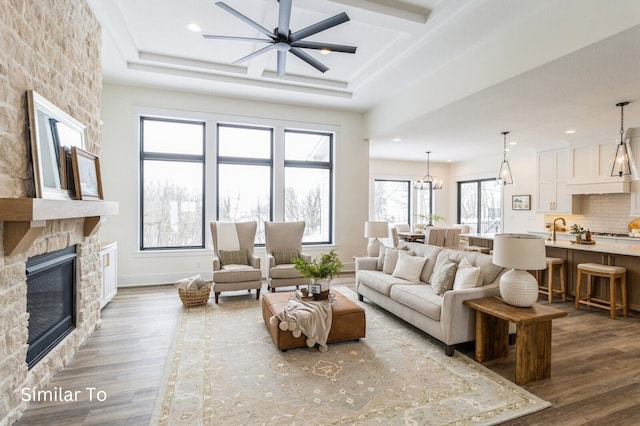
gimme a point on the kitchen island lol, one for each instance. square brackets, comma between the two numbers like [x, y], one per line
[622, 254]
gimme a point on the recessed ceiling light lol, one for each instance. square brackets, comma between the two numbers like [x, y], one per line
[194, 27]
[448, 161]
[396, 139]
[513, 143]
[325, 51]
[570, 131]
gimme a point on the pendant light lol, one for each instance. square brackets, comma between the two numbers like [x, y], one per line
[623, 163]
[504, 175]
[427, 180]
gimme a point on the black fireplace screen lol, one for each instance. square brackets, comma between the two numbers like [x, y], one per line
[50, 301]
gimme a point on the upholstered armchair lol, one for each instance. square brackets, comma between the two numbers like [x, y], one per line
[235, 267]
[283, 243]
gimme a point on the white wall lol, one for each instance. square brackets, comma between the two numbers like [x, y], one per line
[119, 159]
[523, 168]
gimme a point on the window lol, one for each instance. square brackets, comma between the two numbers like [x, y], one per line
[259, 173]
[479, 204]
[308, 182]
[391, 200]
[172, 183]
[244, 175]
[424, 205]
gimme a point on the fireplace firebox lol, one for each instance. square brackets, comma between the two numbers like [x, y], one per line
[51, 284]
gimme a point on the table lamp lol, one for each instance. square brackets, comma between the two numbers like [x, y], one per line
[521, 253]
[375, 230]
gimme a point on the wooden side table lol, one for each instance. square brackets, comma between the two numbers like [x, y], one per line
[533, 335]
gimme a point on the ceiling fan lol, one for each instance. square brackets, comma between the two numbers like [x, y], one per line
[283, 40]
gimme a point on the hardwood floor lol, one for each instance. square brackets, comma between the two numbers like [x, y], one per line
[595, 368]
[125, 358]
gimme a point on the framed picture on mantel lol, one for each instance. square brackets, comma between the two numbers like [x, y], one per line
[521, 202]
[86, 175]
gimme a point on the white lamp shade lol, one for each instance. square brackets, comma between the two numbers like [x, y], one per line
[519, 251]
[376, 229]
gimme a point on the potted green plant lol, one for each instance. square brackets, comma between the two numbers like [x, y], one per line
[577, 230]
[433, 217]
[320, 271]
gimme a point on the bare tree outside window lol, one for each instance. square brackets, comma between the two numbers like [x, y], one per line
[308, 183]
[479, 205]
[391, 201]
[244, 175]
[244, 194]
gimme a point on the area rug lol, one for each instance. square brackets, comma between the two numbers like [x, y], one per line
[224, 369]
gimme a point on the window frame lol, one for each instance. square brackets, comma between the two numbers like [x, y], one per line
[324, 165]
[478, 211]
[210, 205]
[245, 161]
[410, 195]
[168, 157]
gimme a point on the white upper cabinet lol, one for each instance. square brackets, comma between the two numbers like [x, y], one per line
[553, 175]
[590, 171]
[591, 164]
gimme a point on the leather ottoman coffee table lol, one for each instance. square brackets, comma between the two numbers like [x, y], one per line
[348, 321]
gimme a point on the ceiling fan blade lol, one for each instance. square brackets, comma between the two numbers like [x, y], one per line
[282, 62]
[221, 37]
[309, 59]
[284, 19]
[324, 46]
[244, 19]
[254, 54]
[320, 26]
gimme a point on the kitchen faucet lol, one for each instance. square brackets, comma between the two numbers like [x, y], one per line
[564, 222]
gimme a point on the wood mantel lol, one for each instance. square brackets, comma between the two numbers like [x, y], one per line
[25, 218]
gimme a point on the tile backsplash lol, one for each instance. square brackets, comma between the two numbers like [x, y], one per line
[600, 213]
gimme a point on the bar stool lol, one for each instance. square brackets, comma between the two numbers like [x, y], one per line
[613, 273]
[549, 288]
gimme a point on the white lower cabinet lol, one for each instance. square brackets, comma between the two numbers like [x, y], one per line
[109, 258]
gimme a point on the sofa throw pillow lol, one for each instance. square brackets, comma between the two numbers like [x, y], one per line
[390, 261]
[442, 279]
[409, 267]
[467, 276]
[233, 257]
[284, 256]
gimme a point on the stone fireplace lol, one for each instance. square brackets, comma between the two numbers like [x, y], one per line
[52, 47]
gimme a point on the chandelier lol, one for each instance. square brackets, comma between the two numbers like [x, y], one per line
[623, 163]
[504, 175]
[427, 180]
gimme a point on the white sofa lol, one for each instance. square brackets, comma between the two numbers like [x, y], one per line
[444, 317]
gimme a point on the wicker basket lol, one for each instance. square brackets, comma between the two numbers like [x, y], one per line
[195, 297]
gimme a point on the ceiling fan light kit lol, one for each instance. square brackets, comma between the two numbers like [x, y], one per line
[283, 40]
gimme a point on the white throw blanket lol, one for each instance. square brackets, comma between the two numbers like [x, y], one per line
[313, 319]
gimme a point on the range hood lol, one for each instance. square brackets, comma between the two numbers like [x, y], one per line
[607, 187]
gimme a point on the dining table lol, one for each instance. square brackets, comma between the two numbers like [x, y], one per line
[411, 236]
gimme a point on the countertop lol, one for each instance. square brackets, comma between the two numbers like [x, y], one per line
[601, 246]
[598, 247]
